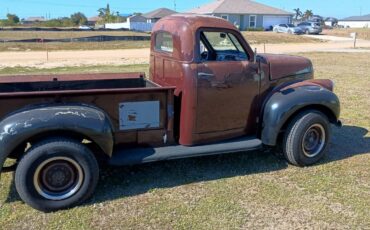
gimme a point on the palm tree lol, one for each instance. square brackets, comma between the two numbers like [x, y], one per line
[298, 13]
[308, 14]
[106, 14]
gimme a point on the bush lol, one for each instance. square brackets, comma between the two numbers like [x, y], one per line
[255, 29]
[61, 22]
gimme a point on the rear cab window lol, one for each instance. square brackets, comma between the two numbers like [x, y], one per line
[164, 42]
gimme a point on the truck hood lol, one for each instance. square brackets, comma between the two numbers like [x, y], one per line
[281, 66]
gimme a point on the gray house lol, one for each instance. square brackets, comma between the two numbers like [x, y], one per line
[245, 13]
[32, 20]
[136, 18]
[156, 15]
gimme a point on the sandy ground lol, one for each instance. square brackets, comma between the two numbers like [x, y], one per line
[141, 56]
[330, 38]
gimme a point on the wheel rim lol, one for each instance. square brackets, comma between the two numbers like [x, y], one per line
[314, 140]
[58, 178]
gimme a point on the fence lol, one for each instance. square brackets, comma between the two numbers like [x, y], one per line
[136, 26]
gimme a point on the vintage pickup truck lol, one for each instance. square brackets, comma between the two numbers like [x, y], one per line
[207, 93]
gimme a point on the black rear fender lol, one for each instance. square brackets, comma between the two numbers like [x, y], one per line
[21, 126]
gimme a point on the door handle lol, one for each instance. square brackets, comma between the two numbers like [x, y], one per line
[205, 76]
[221, 85]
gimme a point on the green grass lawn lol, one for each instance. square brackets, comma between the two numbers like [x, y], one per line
[55, 46]
[238, 191]
[78, 69]
[276, 38]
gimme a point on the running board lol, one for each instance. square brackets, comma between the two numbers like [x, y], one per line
[146, 155]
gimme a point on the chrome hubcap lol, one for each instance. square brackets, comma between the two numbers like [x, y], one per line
[314, 140]
[58, 178]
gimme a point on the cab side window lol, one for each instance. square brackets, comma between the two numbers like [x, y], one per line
[164, 42]
[221, 46]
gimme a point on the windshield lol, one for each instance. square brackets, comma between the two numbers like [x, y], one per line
[291, 25]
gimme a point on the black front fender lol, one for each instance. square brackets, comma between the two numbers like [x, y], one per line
[283, 104]
[88, 121]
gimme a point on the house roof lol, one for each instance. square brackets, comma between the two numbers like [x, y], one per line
[357, 18]
[238, 7]
[159, 13]
[94, 19]
[35, 19]
[331, 19]
[136, 16]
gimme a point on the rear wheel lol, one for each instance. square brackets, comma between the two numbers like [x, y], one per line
[57, 174]
[306, 139]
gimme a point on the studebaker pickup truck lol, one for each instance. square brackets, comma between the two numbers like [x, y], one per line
[207, 93]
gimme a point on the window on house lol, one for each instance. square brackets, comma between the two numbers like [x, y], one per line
[164, 42]
[226, 17]
[252, 21]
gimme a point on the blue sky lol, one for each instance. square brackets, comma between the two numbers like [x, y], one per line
[26, 8]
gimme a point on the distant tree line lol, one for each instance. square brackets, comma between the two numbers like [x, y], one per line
[11, 20]
[106, 15]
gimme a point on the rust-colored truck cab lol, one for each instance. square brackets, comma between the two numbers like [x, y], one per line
[221, 89]
[208, 93]
[218, 97]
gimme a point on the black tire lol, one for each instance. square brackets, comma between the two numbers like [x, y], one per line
[57, 174]
[306, 139]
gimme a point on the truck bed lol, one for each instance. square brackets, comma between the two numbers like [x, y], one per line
[121, 96]
[42, 83]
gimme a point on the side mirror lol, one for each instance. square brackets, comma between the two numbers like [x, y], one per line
[255, 55]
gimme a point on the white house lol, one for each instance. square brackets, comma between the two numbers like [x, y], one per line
[331, 22]
[355, 22]
[134, 22]
[143, 22]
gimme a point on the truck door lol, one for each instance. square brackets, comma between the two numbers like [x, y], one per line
[227, 87]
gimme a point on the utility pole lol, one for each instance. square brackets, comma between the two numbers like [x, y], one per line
[174, 4]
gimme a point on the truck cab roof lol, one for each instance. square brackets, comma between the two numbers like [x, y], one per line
[183, 28]
[196, 21]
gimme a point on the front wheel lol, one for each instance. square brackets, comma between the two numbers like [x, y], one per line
[56, 174]
[306, 139]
